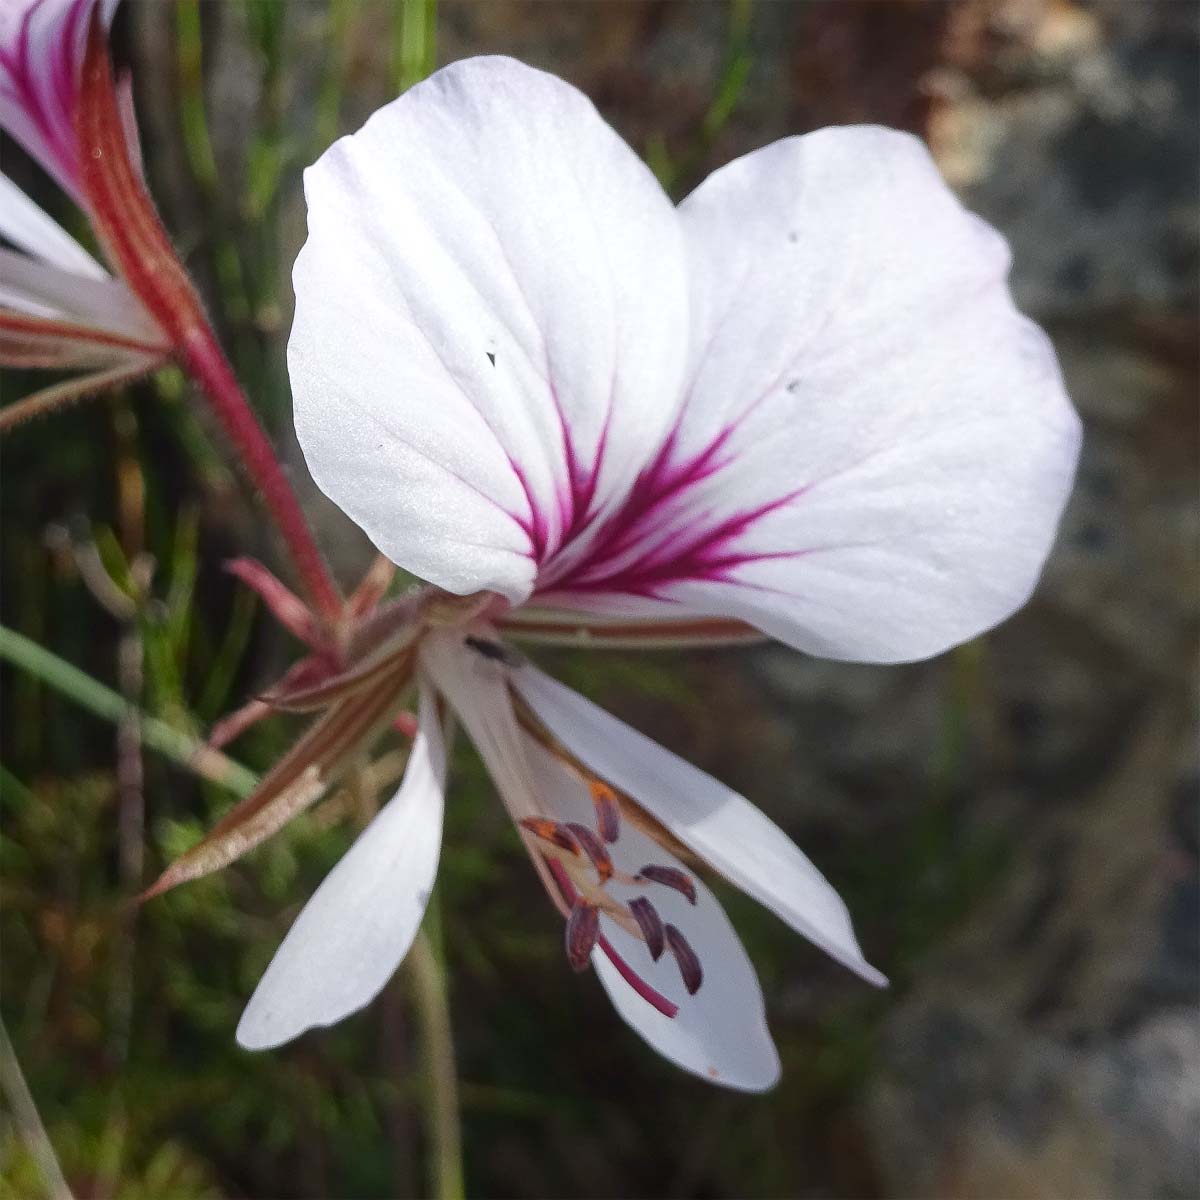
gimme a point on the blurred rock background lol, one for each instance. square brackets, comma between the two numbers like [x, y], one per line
[1015, 826]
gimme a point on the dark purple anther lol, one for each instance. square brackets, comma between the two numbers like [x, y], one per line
[551, 831]
[583, 926]
[685, 957]
[594, 848]
[650, 923]
[608, 811]
[670, 877]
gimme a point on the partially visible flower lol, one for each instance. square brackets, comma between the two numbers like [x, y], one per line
[59, 308]
[801, 403]
[42, 48]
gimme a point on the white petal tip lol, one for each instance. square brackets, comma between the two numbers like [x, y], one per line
[866, 972]
[754, 1084]
[873, 977]
[257, 1031]
[251, 1036]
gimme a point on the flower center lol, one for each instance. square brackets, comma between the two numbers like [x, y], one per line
[581, 865]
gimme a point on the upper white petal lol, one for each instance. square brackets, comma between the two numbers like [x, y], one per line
[357, 927]
[876, 445]
[721, 826]
[26, 225]
[491, 323]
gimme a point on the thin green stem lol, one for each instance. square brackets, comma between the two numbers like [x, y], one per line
[414, 40]
[89, 693]
[28, 1122]
[339, 24]
[442, 1116]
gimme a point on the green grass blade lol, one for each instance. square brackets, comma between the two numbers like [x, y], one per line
[103, 702]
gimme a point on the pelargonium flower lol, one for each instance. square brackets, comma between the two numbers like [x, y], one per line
[59, 307]
[801, 403]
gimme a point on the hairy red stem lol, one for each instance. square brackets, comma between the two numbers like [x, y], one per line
[126, 221]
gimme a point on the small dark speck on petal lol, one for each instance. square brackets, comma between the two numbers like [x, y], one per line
[491, 358]
[793, 386]
[793, 236]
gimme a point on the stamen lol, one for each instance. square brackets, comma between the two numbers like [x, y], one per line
[685, 958]
[551, 831]
[654, 998]
[670, 877]
[608, 811]
[650, 923]
[583, 926]
[594, 848]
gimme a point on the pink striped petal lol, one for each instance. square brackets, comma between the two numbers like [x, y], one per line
[42, 44]
[875, 446]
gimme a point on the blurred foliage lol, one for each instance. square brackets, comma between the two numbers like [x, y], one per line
[118, 515]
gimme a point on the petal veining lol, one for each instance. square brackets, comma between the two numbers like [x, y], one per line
[42, 45]
[491, 323]
[875, 446]
[357, 927]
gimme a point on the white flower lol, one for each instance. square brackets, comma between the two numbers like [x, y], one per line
[801, 402]
[59, 308]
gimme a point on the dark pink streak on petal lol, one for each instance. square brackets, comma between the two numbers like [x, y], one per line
[644, 511]
[535, 526]
[51, 117]
[699, 549]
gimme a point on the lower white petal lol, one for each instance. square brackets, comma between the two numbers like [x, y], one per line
[357, 928]
[721, 826]
[720, 1033]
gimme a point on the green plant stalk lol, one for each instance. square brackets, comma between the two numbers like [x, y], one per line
[198, 146]
[442, 1114]
[414, 41]
[735, 70]
[28, 1122]
[89, 693]
[339, 25]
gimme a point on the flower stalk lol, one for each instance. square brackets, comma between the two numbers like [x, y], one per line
[127, 223]
[442, 1121]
